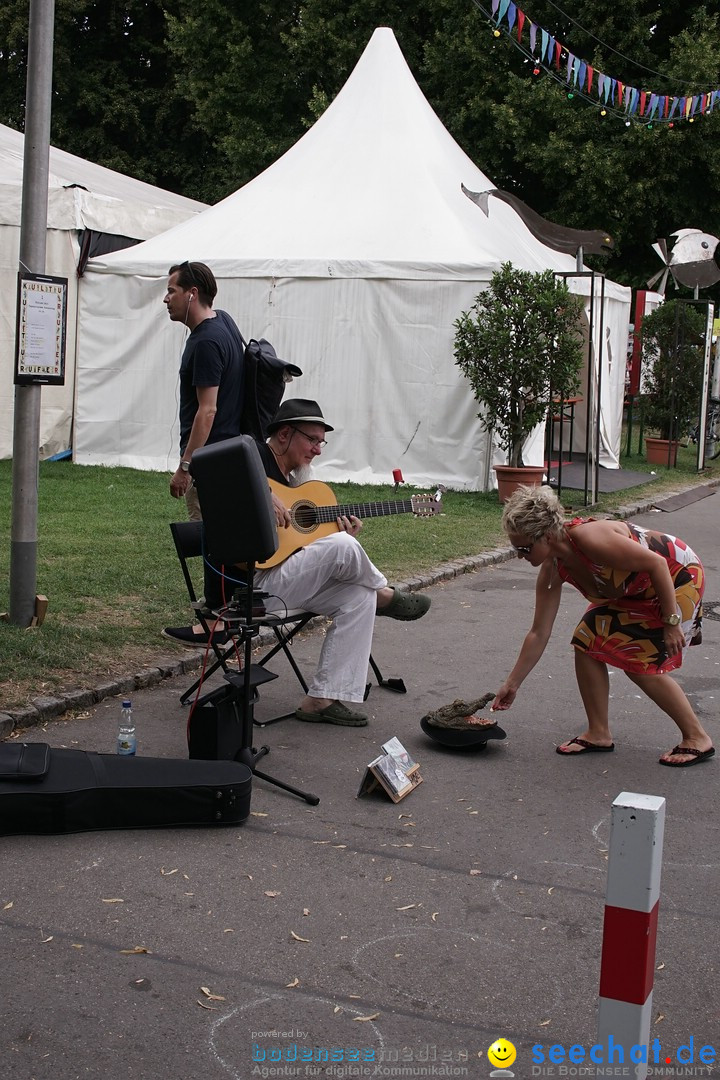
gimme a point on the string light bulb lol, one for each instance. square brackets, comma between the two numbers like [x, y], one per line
[603, 112]
[496, 33]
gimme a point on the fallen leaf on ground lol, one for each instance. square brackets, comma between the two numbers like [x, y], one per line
[211, 996]
[364, 1019]
[295, 982]
[257, 813]
[551, 890]
[406, 908]
[434, 915]
[204, 1006]
[543, 1023]
[271, 892]
[136, 949]
[114, 900]
[306, 911]
[297, 937]
[474, 873]
[45, 940]
[8, 906]
[658, 1018]
[660, 966]
[167, 873]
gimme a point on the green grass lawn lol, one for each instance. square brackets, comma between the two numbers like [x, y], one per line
[107, 563]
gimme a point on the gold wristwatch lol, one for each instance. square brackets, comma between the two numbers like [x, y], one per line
[672, 620]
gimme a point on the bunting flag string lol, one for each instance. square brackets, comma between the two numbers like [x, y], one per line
[644, 106]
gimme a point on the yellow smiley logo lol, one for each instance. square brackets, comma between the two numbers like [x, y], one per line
[502, 1053]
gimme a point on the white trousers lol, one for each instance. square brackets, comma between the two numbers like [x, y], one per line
[332, 576]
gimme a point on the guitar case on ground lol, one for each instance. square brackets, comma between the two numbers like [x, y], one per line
[44, 790]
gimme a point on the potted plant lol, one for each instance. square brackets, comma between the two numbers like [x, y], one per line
[673, 367]
[520, 346]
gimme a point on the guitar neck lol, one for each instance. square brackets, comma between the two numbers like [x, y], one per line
[326, 514]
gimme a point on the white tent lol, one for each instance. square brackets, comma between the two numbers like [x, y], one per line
[354, 254]
[81, 196]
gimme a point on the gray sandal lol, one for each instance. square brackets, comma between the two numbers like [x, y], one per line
[406, 606]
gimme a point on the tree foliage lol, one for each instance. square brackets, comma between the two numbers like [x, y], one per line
[519, 346]
[201, 98]
[673, 340]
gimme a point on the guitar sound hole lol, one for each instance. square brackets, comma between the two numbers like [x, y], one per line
[305, 517]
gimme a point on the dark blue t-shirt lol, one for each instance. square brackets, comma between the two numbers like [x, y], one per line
[213, 356]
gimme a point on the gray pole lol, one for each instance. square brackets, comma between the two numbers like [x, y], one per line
[33, 227]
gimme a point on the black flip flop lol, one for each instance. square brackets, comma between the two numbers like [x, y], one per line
[697, 757]
[587, 748]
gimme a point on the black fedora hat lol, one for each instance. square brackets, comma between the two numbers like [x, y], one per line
[471, 737]
[295, 411]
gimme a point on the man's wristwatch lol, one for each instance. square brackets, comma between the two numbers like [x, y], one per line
[672, 620]
[185, 466]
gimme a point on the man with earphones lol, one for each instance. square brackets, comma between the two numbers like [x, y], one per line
[211, 371]
[212, 378]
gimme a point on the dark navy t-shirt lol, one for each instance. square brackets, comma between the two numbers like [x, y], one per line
[213, 356]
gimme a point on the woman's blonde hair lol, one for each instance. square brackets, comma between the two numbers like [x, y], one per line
[534, 512]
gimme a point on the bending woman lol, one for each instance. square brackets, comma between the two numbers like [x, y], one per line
[645, 590]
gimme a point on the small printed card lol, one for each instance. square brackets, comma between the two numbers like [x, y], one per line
[394, 772]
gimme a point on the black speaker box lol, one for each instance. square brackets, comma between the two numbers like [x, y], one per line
[235, 501]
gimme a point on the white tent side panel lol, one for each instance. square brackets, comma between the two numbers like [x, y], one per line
[603, 375]
[378, 356]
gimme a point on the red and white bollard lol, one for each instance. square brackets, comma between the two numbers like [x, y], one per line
[630, 926]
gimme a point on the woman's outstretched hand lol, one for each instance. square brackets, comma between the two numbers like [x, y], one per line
[504, 698]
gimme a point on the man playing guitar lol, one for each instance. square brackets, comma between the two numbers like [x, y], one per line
[332, 576]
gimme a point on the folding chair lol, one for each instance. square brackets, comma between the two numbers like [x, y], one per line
[188, 538]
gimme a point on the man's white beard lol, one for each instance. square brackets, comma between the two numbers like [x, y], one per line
[301, 475]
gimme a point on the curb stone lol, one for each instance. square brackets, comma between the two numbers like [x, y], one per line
[43, 709]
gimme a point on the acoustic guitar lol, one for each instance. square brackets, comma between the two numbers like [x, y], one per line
[314, 513]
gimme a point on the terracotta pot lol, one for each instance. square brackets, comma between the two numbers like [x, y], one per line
[509, 478]
[660, 451]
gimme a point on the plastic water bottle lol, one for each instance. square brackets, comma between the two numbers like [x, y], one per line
[126, 740]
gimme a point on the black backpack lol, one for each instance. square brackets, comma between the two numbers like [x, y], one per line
[266, 376]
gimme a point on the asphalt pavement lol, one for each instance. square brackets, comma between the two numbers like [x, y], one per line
[360, 937]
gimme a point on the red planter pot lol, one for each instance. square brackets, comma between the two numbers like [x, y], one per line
[660, 451]
[510, 478]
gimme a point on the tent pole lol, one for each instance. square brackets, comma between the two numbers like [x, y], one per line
[33, 229]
